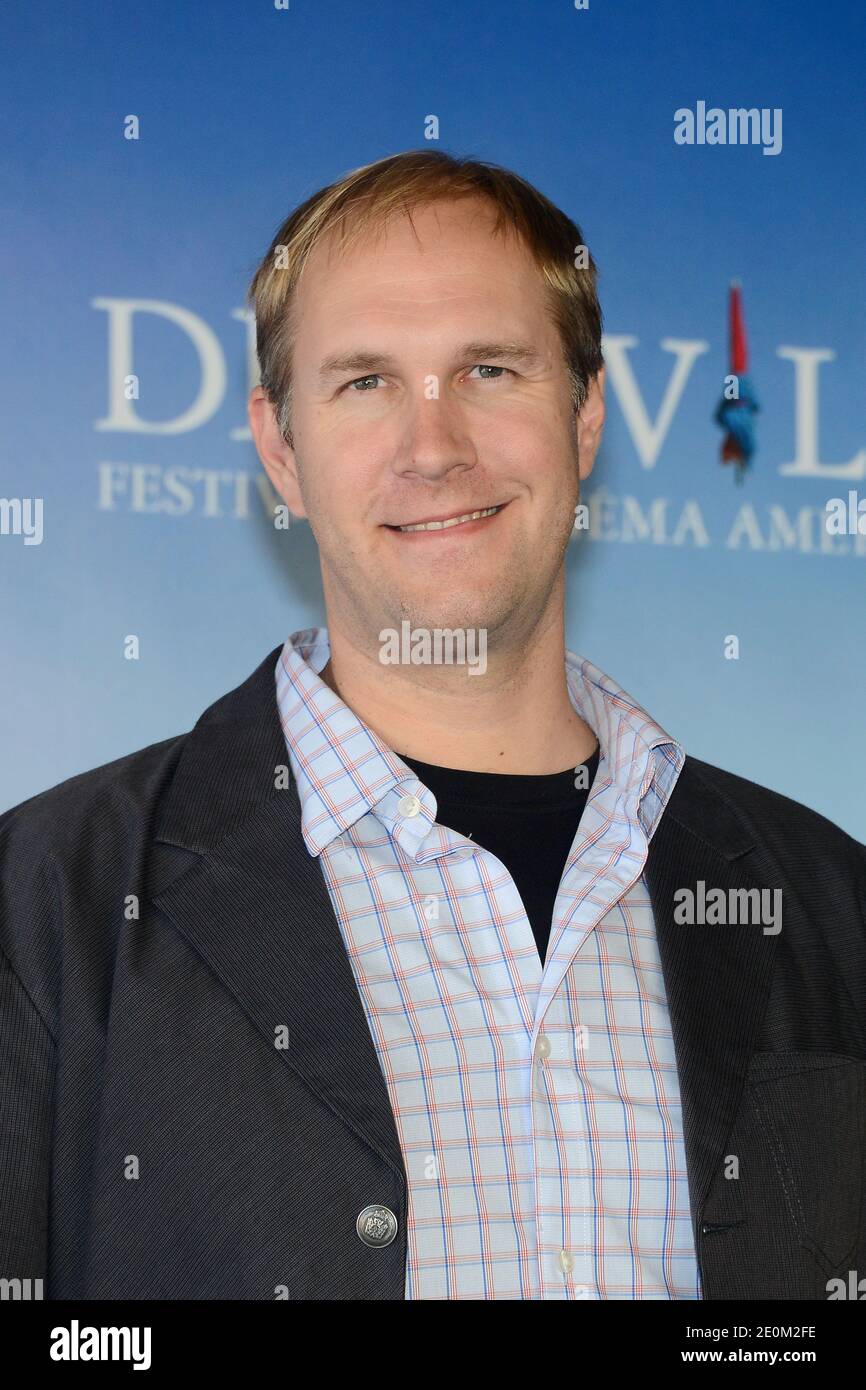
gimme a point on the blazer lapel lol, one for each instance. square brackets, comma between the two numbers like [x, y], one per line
[717, 978]
[249, 898]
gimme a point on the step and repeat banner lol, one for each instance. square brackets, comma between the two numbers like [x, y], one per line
[713, 157]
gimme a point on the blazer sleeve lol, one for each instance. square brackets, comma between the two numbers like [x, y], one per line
[27, 1065]
[28, 918]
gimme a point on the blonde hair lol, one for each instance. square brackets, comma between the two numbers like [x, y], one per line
[365, 198]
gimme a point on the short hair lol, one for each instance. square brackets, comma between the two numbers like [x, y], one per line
[366, 197]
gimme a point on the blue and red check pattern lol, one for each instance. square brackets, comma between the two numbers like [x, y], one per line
[538, 1108]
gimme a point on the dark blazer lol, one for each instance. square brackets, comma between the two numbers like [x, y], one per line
[161, 921]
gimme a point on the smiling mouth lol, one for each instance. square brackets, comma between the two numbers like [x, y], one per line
[450, 521]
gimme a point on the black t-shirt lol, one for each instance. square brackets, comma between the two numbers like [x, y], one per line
[528, 822]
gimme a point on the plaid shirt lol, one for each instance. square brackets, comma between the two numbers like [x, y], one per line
[538, 1107]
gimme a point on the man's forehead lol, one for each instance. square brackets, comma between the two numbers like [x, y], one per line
[402, 240]
[485, 295]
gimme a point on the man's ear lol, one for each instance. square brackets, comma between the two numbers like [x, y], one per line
[277, 456]
[590, 423]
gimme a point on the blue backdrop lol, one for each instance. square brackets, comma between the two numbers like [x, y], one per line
[133, 255]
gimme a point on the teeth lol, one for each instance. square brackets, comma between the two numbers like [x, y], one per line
[452, 521]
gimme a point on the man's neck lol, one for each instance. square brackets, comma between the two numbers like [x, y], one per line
[516, 718]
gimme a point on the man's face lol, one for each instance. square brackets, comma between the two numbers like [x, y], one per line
[429, 382]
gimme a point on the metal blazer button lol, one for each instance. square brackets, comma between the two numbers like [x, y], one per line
[377, 1226]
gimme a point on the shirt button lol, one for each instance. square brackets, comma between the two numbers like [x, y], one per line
[409, 806]
[543, 1048]
[376, 1226]
[566, 1261]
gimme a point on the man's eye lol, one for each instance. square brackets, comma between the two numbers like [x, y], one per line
[366, 383]
[482, 367]
[362, 382]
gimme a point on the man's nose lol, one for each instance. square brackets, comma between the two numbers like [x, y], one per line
[435, 439]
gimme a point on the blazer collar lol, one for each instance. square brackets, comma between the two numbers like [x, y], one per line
[233, 874]
[717, 978]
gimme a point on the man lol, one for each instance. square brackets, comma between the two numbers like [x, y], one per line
[428, 965]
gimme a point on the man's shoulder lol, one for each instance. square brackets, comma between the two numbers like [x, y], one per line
[121, 795]
[118, 788]
[791, 831]
[68, 856]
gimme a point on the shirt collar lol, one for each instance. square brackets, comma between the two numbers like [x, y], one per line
[343, 770]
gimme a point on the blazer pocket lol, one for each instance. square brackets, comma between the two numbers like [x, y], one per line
[811, 1107]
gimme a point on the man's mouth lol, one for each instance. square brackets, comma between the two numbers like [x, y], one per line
[443, 523]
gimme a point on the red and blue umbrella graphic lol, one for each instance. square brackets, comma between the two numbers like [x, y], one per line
[738, 407]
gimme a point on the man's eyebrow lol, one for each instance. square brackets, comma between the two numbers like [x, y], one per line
[510, 352]
[364, 362]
